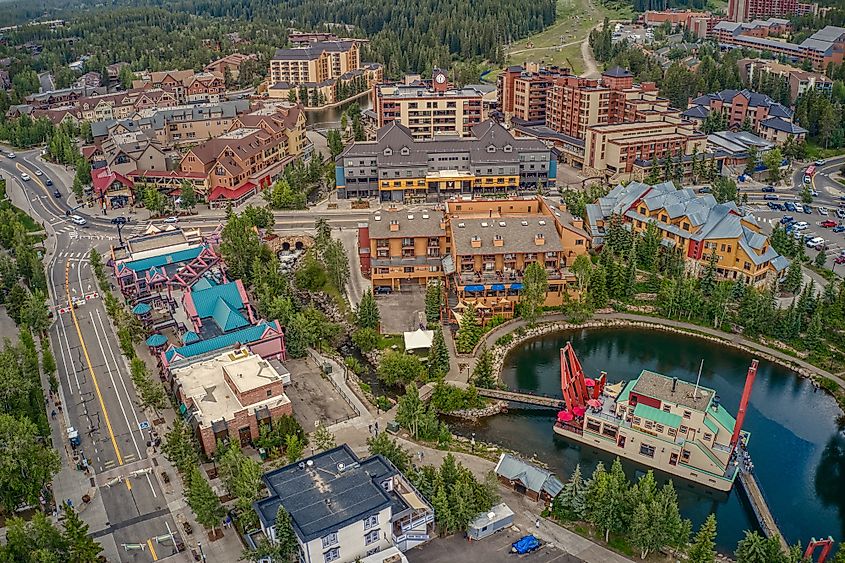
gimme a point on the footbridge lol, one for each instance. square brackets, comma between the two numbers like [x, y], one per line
[523, 398]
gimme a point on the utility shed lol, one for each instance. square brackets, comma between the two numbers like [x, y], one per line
[498, 518]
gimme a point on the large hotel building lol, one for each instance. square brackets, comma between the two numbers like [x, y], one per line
[430, 109]
[401, 168]
[315, 63]
[479, 247]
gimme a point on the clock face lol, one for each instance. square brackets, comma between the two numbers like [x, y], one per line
[440, 78]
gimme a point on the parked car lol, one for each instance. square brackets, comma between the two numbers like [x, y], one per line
[773, 205]
[807, 179]
[704, 190]
[801, 225]
[840, 213]
[823, 210]
[839, 260]
[828, 223]
[819, 162]
[383, 290]
[77, 220]
[815, 241]
[25, 177]
[807, 209]
[813, 192]
[172, 219]
[790, 206]
[48, 182]
[768, 189]
[787, 219]
[11, 154]
[770, 196]
[839, 229]
[524, 545]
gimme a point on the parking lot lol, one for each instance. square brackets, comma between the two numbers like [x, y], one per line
[312, 396]
[489, 550]
[400, 310]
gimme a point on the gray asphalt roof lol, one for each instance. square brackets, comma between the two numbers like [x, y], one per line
[335, 490]
[779, 124]
[313, 50]
[515, 236]
[534, 478]
[419, 223]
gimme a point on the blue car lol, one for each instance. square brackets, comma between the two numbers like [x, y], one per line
[525, 545]
[839, 229]
[786, 219]
[807, 209]
[790, 206]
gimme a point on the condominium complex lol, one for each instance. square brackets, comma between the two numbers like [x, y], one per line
[430, 109]
[824, 47]
[230, 63]
[315, 62]
[479, 247]
[398, 167]
[699, 24]
[770, 119]
[523, 90]
[186, 85]
[346, 509]
[104, 107]
[696, 225]
[745, 10]
[799, 80]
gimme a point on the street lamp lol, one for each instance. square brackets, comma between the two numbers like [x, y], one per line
[120, 222]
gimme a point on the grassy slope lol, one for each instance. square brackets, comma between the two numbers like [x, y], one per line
[575, 19]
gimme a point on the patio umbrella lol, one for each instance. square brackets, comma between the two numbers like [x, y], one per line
[590, 382]
[564, 416]
[460, 306]
[595, 403]
[578, 411]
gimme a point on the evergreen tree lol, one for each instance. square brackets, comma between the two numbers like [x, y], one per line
[203, 500]
[438, 356]
[433, 301]
[367, 315]
[469, 330]
[81, 547]
[571, 502]
[703, 548]
[284, 535]
[821, 259]
[598, 296]
[707, 283]
[482, 374]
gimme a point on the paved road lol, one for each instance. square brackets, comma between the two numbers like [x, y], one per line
[97, 393]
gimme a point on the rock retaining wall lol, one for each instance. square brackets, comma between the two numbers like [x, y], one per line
[475, 414]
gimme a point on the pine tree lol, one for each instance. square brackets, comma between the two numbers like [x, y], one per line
[708, 279]
[793, 280]
[438, 356]
[367, 315]
[433, 301]
[821, 259]
[598, 288]
[703, 548]
[482, 374]
[203, 500]
[81, 547]
[469, 330]
[284, 535]
[570, 503]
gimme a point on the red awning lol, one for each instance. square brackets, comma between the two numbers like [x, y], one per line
[222, 192]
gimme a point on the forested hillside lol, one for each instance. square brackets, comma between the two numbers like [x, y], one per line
[407, 35]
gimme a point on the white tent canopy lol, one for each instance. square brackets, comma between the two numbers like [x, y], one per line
[418, 339]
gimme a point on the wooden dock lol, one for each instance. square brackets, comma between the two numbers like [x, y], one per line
[524, 398]
[760, 507]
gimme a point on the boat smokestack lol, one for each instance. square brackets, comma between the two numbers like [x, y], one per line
[674, 383]
[743, 403]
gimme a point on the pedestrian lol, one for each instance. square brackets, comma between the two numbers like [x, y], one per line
[371, 429]
[537, 523]
[53, 414]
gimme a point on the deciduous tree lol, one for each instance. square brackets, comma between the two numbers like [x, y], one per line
[26, 464]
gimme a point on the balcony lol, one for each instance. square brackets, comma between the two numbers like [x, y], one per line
[493, 277]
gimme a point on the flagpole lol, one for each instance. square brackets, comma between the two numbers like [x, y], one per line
[697, 380]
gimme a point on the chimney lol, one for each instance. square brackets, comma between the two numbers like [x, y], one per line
[539, 239]
[578, 223]
[498, 241]
[394, 226]
[475, 242]
[743, 403]
[674, 383]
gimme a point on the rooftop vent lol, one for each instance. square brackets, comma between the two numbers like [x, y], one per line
[410, 216]
[502, 224]
[377, 218]
[310, 463]
[461, 225]
[524, 223]
[425, 215]
[541, 222]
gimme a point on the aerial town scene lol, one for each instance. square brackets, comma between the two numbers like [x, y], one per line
[470, 281]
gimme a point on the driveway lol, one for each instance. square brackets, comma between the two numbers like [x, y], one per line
[491, 549]
[400, 310]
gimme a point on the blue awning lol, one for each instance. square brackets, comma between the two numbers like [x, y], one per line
[156, 340]
[516, 286]
[474, 288]
[497, 287]
[141, 309]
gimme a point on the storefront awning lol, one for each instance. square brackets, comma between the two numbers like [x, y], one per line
[474, 288]
[516, 286]
[497, 287]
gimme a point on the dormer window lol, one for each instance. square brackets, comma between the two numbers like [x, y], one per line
[491, 148]
[388, 151]
[405, 151]
[508, 148]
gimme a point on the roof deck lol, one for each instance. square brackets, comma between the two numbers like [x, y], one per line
[673, 390]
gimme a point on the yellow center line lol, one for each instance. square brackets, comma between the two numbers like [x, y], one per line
[91, 370]
[152, 549]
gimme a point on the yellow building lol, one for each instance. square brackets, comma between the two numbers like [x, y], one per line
[315, 63]
[697, 225]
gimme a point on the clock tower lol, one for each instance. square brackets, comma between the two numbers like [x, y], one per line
[439, 80]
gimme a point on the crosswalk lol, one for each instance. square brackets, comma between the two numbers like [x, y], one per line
[72, 255]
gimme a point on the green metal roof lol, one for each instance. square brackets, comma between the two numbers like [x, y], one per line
[709, 424]
[657, 415]
[227, 317]
[206, 300]
[626, 391]
[723, 417]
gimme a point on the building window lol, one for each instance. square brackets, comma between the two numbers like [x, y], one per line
[707, 436]
[371, 522]
[687, 415]
[685, 455]
[647, 450]
[332, 555]
[330, 540]
[371, 537]
[666, 408]
[673, 432]
[684, 429]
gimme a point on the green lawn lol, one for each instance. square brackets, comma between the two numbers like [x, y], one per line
[815, 152]
[575, 19]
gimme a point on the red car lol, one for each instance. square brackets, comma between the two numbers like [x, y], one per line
[839, 259]
[827, 223]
